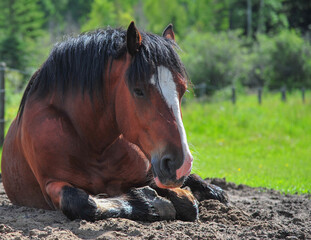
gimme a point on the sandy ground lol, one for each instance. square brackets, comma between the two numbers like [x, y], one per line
[254, 213]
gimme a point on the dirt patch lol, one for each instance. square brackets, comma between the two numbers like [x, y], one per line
[253, 213]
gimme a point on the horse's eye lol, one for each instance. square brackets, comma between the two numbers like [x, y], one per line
[138, 92]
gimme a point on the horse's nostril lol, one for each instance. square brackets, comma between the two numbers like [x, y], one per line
[167, 164]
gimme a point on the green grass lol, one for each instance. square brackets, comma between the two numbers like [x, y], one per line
[267, 145]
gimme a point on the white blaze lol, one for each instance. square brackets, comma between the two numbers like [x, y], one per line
[169, 93]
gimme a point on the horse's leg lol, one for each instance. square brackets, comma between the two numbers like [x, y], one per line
[18, 179]
[203, 191]
[138, 204]
[184, 202]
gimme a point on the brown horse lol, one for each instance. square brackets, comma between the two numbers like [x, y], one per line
[99, 131]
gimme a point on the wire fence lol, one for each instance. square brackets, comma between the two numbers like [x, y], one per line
[201, 90]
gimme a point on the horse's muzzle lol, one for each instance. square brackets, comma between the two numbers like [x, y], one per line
[169, 173]
[185, 169]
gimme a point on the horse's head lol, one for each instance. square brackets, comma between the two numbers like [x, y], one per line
[148, 105]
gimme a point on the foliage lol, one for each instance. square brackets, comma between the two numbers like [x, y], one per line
[110, 13]
[215, 58]
[288, 61]
[159, 16]
[64, 16]
[298, 14]
[29, 27]
[20, 27]
[223, 59]
[265, 145]
[280, 60]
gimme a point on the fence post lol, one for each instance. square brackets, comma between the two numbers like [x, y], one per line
[303, 94]
[259, 95]
[202, 90]
[184, 100]
[2, 101]
[233, 98]
[283, 93]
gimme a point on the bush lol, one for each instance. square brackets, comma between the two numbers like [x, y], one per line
[288, 62]
[213, 58]
[280, 60]
[223, 59]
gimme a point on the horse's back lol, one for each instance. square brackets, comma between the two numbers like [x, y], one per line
[19, 181]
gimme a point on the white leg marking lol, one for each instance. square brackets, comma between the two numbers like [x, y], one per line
[113, 206]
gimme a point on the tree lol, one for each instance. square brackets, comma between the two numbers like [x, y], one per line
[266, 16]
[299, 14]
[20, 27]
[160, 13]
[65, 16]
[186, 15]
[108, 12]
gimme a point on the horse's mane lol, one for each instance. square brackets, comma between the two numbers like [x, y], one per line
[79, 63]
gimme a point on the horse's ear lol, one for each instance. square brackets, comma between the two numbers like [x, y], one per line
[133, 39]
[169, 32]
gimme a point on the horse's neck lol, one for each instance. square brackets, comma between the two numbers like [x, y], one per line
[94, 121]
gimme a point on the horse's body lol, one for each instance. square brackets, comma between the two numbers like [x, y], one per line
[111, 130]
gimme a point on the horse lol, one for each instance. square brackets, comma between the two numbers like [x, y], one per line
[99, 131]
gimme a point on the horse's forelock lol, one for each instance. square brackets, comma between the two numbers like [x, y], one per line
[155, 51]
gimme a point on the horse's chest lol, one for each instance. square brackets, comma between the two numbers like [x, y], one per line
[122, 168]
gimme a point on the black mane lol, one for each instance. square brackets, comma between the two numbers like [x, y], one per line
[79, 63]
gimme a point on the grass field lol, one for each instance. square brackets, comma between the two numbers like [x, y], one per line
[267, 145]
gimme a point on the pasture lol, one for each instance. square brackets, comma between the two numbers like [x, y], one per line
[264, 145]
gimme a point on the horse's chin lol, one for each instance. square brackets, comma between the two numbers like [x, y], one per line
[170, 184]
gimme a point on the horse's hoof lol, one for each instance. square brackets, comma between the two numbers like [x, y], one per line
[185, 204]
[158, 208]
[210, 191]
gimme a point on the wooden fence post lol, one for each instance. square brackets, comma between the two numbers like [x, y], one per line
[202, 89]
[233, 97]
[303, 94]
[283, 93]
[259, 95]
[2, 101]
[184, 100]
